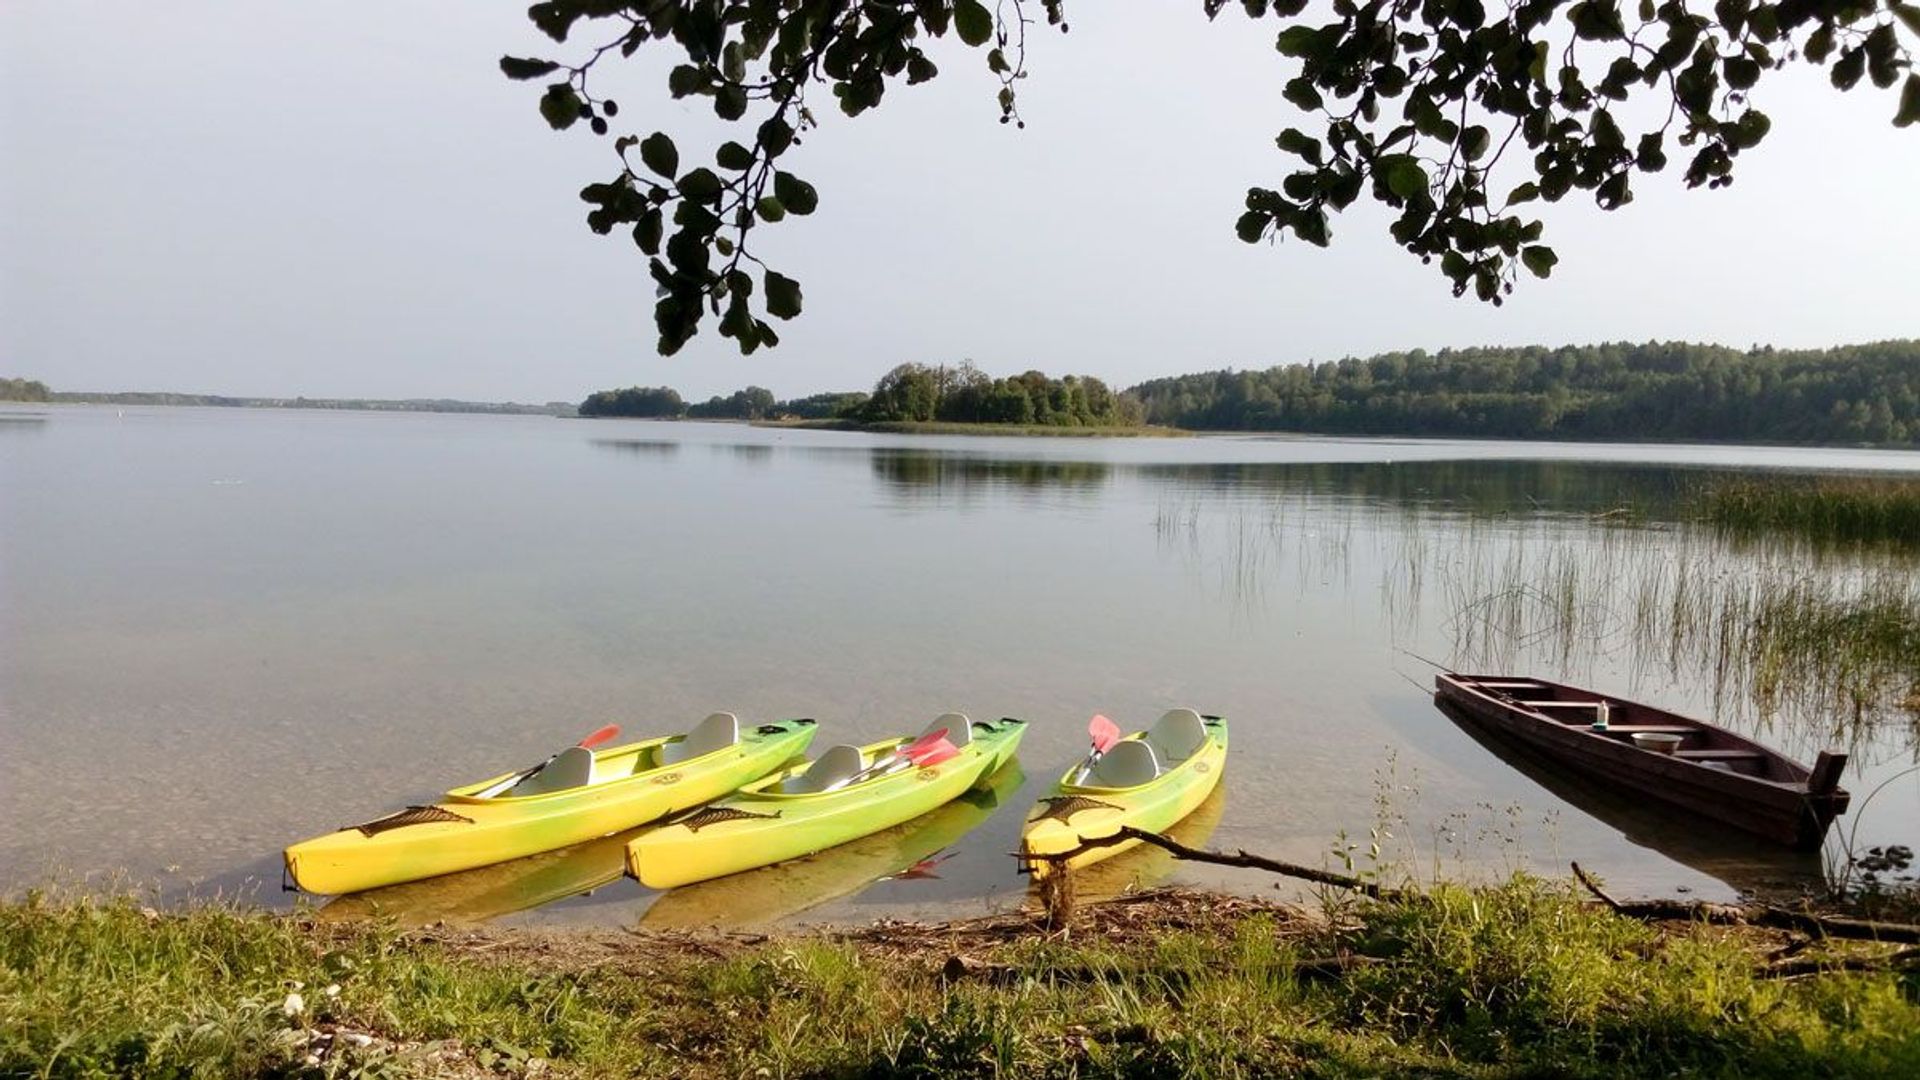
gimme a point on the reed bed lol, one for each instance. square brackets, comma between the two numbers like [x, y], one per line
[1827, 511]
[1833, 650]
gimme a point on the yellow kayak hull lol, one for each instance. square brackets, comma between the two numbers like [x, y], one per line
[776, 893]
[761, 825]
[489, 892]
[1074, 812]
[1144, 866]
[464, 830]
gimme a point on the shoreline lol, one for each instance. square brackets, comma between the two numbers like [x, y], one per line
[1524, 978]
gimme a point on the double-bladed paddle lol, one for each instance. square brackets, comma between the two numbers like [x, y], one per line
[1103, 733]
[929, 749]
[604, 735]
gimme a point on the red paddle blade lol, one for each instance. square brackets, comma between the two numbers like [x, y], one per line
[921, 745]
[1103, 732]
[935, 754]
[604, 735]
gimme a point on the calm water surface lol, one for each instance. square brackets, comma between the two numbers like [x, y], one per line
[224, 630]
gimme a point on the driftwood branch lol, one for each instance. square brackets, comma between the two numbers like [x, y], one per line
[1242, 858]
[1776, 918]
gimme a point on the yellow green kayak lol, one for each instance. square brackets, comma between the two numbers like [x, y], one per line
[775, 893]
[1145, 866]
[844, 794]
[489, 892]
[1148, 780]
[576, 796]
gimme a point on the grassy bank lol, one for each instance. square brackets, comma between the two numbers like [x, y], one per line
[1516, 980]
[1828, 511]
[940, 427]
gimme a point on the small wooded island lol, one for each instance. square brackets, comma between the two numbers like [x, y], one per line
[1657, 392]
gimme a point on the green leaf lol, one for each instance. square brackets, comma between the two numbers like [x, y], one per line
[795, 194]
[783, 295]
[1525, 193]
[1252, 226]
[1300, 144]
[1297, 41]
[733, 157]
[730, 102]
[1909, 112]
[560, 106]
[1475, 141]
[770, 209]
[1539, 259]
[1848, 69]
[973, 21]
[1404, 175]
[1651, 155]
[1311, 226]
[658, 153]
[648, 232]
[701, 186]
[775, 136]
[515, 67]
[686, 80]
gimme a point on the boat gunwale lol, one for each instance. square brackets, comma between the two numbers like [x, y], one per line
[464, 796]
[1216, 737]
[1514, 707]
[761, 788]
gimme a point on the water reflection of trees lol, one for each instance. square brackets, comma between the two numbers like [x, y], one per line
[1480, 487]
[909, 471]
[639, 447]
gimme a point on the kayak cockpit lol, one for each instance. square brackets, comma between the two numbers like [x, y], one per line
[578, 767]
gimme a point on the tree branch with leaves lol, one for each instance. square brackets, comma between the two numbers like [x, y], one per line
[1419, 104]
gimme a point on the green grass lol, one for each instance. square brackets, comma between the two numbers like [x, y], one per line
[1517, 980]
[1827, 511]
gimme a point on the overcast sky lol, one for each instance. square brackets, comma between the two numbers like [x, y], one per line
[349, 200]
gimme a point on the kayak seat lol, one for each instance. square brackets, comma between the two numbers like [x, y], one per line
[1177, 736]
[716, 732]
[836, 766]
[1129, 764]
[571, 768]
[959, 728]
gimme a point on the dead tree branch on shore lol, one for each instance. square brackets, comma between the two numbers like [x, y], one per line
[1776, 918]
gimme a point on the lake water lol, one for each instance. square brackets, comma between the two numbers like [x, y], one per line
[225, 630]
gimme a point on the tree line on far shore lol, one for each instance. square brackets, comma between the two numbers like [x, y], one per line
[752, 403]
[24, 390]
[1858, 394]
[1853, 394]
[958, 393]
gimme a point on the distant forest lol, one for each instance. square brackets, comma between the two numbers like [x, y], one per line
[958, 393]
[1854, 394]
[23, 390]
[753, 403]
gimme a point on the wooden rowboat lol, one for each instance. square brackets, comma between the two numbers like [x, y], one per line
[1713, 772]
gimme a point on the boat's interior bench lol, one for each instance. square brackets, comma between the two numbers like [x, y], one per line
[1720, 755]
